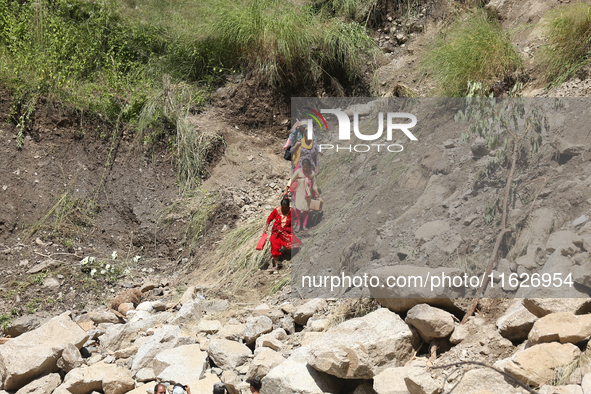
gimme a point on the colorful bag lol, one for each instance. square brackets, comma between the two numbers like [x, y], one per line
[262, 241]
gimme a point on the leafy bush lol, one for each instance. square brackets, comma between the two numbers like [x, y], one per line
[569, 42]
[475, 49]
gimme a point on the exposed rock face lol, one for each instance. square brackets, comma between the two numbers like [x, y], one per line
[361, 348]
[35, 353]
[430, 322]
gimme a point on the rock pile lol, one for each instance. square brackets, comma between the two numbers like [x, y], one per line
[295, 347]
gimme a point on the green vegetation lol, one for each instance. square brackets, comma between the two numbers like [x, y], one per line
[473, 49]
[6, 319]
[290, 44]
[194, 149]
[148, 65]
[569, 42]
[357, 10]
[37, 279]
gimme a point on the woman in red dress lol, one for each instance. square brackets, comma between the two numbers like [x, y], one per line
[281, 232]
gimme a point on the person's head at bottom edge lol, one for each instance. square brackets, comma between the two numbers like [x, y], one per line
[255, 384]
[219, 388]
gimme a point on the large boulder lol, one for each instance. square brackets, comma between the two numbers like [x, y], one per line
[233, 332]
[204, 385]
[535, 365]
[263, 362]
[228, 354]
[121, 336]
[163, 338]
[480, 378]
[561, 327]
[516, 323]
[43, 385]
[255, 327]
[360, 348]
[544, 306]
[180, 364]
[295, 376]
[430, 322]
[108, 378]
[421, 383]
[35, 353]
[391, 380]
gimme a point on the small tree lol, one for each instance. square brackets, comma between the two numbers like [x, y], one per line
[508, 125]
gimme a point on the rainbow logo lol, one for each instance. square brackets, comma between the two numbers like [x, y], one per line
[317, 117]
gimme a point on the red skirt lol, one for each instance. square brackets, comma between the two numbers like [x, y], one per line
[279, 239]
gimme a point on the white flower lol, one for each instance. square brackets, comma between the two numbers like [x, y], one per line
[93, 272]
[87, 260]
[137, 259]
[114, 255]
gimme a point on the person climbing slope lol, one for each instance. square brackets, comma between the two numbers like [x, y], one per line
[303, 185]
[281, 232]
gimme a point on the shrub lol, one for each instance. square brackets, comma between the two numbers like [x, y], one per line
[475, 49]
[569, 42]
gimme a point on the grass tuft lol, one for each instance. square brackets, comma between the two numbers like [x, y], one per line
[285, 42]
[194, 149]
[569, 42]
[472, 50]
